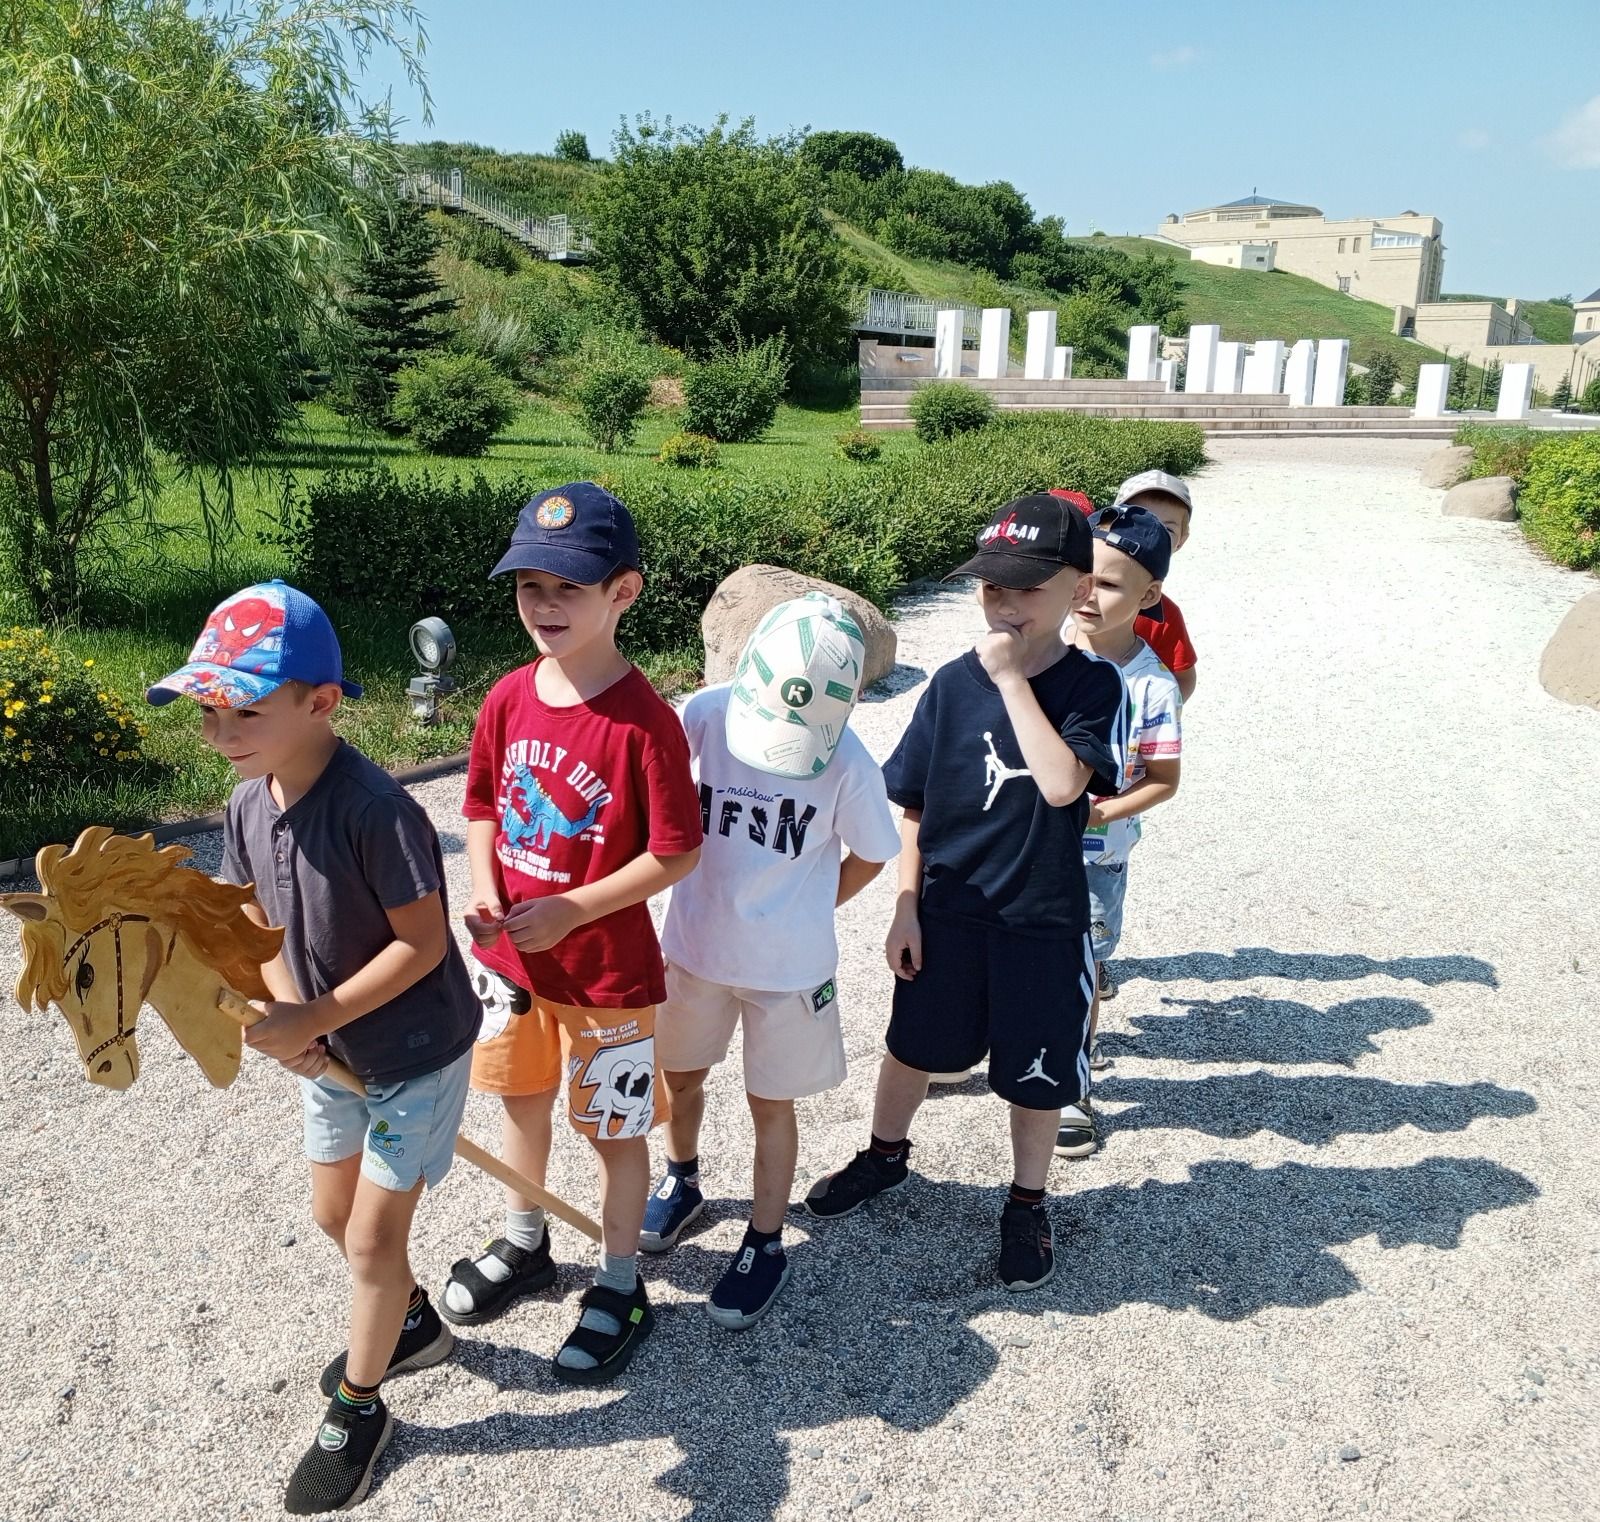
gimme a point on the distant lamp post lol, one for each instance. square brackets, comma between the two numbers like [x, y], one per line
[434, 647]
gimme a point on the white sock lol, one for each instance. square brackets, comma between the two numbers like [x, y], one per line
[1077, 1115]
[525, 1229]
[618, 1272]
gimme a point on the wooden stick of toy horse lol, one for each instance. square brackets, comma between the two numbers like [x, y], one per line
[120, 924]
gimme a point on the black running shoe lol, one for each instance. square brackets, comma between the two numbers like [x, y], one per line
[866, 1175]
[1027, 1250]
[337, 1469]
[424, 1341]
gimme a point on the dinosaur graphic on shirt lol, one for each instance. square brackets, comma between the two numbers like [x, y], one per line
[531, 816]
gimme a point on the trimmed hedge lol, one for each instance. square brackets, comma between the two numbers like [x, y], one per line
[1558, 479]
[943, 409]
[913, 517]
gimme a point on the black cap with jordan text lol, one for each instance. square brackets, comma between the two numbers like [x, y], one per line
[1029, 541]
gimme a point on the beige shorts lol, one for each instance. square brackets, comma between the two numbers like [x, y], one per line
[793, 1045]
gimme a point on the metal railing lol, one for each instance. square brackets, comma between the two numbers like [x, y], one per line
[903, 312]
[558, 237]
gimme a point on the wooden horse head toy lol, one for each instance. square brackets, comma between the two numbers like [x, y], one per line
[120, 924]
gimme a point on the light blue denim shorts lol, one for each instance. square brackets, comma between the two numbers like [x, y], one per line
[1108, 882]
[404, 1131]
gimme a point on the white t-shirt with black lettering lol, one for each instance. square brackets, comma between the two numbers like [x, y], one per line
[757, 912]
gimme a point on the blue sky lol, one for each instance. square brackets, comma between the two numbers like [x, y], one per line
[1110, 115]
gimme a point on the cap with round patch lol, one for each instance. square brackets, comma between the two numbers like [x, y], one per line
[795, 685]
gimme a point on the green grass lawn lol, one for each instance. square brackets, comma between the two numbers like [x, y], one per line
[1551, 321]
[148, 601]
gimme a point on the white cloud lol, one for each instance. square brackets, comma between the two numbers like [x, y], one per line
[1575, 144]
[1474, 139]
[1175, 58]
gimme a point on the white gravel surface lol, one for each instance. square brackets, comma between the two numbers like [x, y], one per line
[1337, 1257]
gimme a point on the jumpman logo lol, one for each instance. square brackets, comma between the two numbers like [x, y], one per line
[1037, 1070]
[996, 774]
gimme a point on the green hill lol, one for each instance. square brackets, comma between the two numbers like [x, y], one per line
[1551, 321]
[1252, 304]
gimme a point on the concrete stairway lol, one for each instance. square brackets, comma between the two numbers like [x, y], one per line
[886, 403]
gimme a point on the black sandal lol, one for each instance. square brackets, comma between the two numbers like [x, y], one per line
[530, 1273]
[611, 1351]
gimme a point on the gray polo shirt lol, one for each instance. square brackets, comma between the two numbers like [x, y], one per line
[327, 869]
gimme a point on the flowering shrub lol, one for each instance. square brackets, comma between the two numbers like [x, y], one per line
[56, 713]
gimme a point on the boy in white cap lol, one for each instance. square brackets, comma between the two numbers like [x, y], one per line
[796, 820]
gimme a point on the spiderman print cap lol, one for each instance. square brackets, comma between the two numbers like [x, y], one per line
[252, 644]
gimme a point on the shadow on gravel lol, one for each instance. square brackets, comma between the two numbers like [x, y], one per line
[1314, 966]
[901, 678]
[1248, 1028]
[1312, 1110]
[874, 1323]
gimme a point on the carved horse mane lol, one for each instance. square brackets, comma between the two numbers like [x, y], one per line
[196, 933]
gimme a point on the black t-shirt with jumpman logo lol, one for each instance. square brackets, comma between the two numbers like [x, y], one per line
[993, 850]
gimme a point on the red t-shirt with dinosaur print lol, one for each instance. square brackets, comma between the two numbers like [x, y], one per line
[577, 793]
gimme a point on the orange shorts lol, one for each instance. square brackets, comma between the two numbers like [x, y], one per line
[607, 1055]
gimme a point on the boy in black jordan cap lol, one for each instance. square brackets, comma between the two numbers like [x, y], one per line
[990, 937]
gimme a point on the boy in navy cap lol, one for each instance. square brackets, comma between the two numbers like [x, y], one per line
[580, 804]
[990, 937]
[1132, 550]
[346, 860]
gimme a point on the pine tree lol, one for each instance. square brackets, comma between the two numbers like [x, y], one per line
[1562, 397]
[393, 297]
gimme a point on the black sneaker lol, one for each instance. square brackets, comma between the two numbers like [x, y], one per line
[1105, 982]
[1077, 1136]
[337, 1469]
[1027, 1250]
[424, 1341]
[744, 1294]
[865, 1175]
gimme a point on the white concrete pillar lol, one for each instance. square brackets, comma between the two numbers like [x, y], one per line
[1061, 363]
[1433, 391]
[1297, 375]
[994, 343]
[1516, 392]
[1167, 374]
[1041, 351]
[1200, 369]
[947, 327]
[1143, 343]
[1230, 368]
[1333, 359]
[1263, 370]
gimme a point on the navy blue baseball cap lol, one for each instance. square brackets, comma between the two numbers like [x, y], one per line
[252, 644]
[579, 532]
[1138, 533]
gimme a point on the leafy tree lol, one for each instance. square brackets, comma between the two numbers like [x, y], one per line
[863, 154]
[393, 306]
[572, 147]
[1095, 321]
[1590, 400]
[937, 217]
[713, 236]
[178, 190]
[1148, 285]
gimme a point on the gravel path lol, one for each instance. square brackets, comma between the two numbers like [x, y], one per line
[1337, 1257]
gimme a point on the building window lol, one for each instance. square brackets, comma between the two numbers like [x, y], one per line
[1341, 245]
[1589, 323]
[1355, 245]
[1344, 284]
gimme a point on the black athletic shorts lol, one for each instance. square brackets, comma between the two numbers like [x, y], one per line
[1023, 999]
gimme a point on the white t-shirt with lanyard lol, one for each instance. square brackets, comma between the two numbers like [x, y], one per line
[1155, 733]
[758, 910]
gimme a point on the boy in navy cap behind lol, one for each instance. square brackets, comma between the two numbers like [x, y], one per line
[346, 860]
[1132, 550]
[990, 937]
[580, 804]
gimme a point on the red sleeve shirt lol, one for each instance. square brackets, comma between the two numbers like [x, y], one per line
[577, 793]
[1167, 636]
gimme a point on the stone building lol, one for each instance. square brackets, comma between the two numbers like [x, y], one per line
[1397, 261]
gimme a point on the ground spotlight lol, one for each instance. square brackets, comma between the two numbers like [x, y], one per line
[434, 647]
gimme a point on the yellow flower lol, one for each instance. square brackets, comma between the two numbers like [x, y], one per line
[44, 697]
[104, 751]
[11, 731]
[87, 664]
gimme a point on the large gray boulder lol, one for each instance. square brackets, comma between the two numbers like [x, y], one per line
[1445, 467]
[1570, 667]
[745, 598]
[1493, 498]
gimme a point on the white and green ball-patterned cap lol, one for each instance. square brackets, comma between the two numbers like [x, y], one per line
[796, 682]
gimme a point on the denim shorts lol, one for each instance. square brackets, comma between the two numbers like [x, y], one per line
[404, 1131]
[1108, 882]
